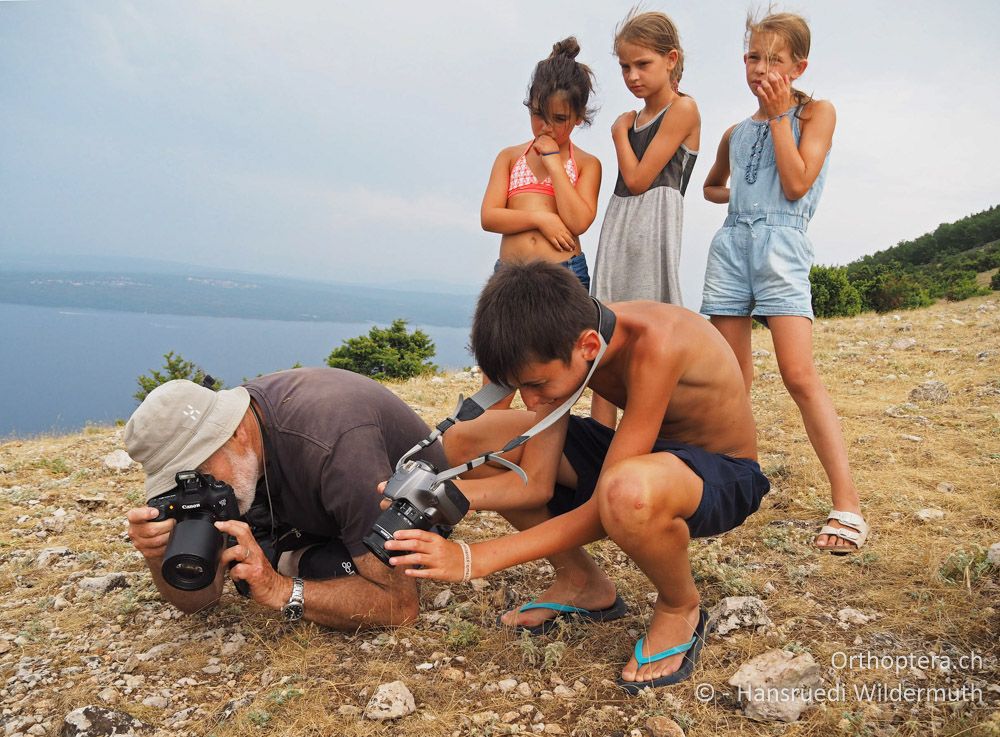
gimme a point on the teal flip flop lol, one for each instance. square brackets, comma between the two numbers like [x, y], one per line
[616, 611]
[691, 650]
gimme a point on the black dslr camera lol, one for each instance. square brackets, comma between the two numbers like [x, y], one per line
[192, 556]
[419, 502]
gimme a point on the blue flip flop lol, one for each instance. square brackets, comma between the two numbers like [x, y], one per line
[691, 650]
[616, 611]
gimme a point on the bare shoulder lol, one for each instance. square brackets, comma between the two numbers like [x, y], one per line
[686, 105]
[818, 111]
[585, 157]
[512, 153]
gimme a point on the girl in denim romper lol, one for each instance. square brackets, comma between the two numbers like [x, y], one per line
[759, 261]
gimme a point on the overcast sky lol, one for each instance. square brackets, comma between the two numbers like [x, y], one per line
[352, 141]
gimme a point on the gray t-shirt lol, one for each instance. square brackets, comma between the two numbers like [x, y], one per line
[331, 437]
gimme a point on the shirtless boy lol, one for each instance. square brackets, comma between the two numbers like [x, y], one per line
[681, 464]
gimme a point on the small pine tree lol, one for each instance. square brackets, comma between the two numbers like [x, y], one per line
[174, 367]
[386, 353]
[832, 294]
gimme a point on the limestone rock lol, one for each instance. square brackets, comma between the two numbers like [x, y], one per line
[929, 515]
[96, 721]
[104, 584]
[903, 344]
[442, 599]
[663, 727]
[853, 616]
[735, 612]
[771, 685]
[935, 392]
[118, 460]
[49, 555]
[993, 554]
[390, 701]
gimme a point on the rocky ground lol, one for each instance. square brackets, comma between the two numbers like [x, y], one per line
[87, 646]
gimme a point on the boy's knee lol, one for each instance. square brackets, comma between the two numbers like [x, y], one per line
[629, 493]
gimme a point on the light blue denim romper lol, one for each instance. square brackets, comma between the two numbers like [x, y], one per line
[758, 263]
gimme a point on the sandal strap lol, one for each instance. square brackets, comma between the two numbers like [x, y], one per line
[565, 608]
[851, 519]
[845, 532]
[643, 660]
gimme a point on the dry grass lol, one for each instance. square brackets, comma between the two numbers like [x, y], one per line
[925, 584]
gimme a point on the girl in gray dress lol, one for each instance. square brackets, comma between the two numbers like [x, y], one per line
[639, 251]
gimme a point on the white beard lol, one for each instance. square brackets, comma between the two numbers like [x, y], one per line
[244, 469]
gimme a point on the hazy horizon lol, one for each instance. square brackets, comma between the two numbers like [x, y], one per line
[352, 144]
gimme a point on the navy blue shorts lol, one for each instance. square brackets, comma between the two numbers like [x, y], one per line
[732, 490]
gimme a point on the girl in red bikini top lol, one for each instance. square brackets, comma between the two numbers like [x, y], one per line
[542, 195]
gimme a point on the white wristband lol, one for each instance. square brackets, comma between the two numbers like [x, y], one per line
[466, 560]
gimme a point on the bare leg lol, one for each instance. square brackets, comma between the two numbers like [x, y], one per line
[736, 331]
[579, 580]
[793, 348]
[603, 411]
[643, 503]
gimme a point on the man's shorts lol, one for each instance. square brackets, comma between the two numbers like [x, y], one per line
[318, 562]
[731, 492]
[759, 269]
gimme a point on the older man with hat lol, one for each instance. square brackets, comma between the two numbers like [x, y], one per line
[304, 451]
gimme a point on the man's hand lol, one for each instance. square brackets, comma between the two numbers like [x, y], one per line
[267, 586]
[149, 538]
[441, 560]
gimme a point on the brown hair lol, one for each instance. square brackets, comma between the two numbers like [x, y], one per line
[562, 74]
[654, 31]
[529, 312]
[790, 28]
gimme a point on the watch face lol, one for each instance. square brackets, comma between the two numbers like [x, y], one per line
[292, 612]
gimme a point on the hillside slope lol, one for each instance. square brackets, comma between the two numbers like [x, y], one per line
[919, 588]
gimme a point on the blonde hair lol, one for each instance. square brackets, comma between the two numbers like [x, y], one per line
[653, 31]
[790, 28]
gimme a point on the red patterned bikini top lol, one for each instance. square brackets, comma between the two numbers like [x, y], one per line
[522, 179]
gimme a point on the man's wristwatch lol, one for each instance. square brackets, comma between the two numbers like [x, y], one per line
[292, 611]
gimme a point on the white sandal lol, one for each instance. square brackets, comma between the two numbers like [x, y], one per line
[855, 531]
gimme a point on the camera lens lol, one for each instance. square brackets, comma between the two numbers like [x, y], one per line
[192, 556]
[400, 516]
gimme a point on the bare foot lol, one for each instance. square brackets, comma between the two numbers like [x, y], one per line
[595, 593]
[669, 628]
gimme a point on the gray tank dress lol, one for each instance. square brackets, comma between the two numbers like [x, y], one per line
[639, 252]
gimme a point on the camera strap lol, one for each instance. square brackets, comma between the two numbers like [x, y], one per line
[472, 407]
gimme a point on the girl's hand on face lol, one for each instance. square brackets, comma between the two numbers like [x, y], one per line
[623, 122]
[545, 145]
[775, 94]
[441, 560]
[555, 231]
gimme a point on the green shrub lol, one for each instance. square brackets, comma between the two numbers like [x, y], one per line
[386, 353]
[887, 287]
[995, 281]
[832, 294]
[174, 367]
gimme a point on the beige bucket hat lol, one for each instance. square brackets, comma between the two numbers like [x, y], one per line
[178, 426]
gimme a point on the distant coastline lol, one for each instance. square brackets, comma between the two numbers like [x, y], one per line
[215, 293]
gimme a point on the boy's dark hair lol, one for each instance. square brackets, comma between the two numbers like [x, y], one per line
[529, 312]
[562, 74]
